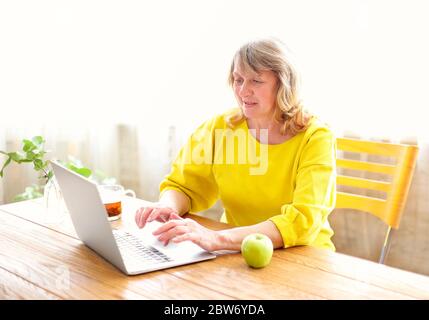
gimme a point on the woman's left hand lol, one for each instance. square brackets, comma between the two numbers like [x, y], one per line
[188, 229]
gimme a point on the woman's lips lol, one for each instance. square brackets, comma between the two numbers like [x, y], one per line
[250, 104]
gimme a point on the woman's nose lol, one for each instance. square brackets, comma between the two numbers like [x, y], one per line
[244, 90]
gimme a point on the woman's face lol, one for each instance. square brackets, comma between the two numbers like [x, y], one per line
[255, 92]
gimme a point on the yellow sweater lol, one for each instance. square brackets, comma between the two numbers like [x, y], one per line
[292, 183]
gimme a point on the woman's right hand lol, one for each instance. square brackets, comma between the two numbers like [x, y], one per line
[156, 211]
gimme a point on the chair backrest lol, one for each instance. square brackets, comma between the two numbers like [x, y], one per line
[389, 209]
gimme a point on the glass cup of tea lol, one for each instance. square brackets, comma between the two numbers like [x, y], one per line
[112, 196]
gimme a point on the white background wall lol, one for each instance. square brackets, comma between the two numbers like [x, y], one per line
[363, 63]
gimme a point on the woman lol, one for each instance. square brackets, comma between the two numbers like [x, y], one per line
[290, 193]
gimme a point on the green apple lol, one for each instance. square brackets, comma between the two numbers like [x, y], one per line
[257, 250]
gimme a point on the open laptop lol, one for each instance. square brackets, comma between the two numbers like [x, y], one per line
[131, 252]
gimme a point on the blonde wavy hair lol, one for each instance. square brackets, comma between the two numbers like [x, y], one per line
[270, 54]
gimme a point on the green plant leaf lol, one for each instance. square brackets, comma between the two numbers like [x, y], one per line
[5, 165]
[82, 171]
[28, 145]
[32, 192]
[41, 153]
[38, 140]
[20, 197]
[30, 155]
[71, 166]
[17, 157]
[38, 164]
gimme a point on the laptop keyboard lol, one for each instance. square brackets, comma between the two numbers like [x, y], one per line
[135, 251]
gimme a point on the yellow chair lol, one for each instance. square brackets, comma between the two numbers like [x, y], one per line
[390, 209]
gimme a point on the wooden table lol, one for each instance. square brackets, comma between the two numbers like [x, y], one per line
[42, 258]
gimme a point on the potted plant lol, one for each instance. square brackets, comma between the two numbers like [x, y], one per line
[33, 152]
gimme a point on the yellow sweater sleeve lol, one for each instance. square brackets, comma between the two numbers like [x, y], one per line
[192, 170]
[314, 197]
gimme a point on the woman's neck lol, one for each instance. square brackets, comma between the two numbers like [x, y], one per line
[270, 133]
[258, 124]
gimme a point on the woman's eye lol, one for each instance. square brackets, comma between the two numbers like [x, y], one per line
[257, 81]
[238, 80]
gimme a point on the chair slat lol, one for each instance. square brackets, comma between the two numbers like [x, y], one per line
[366, 166]
[363, 183]
[363, 203]
[378, 148]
